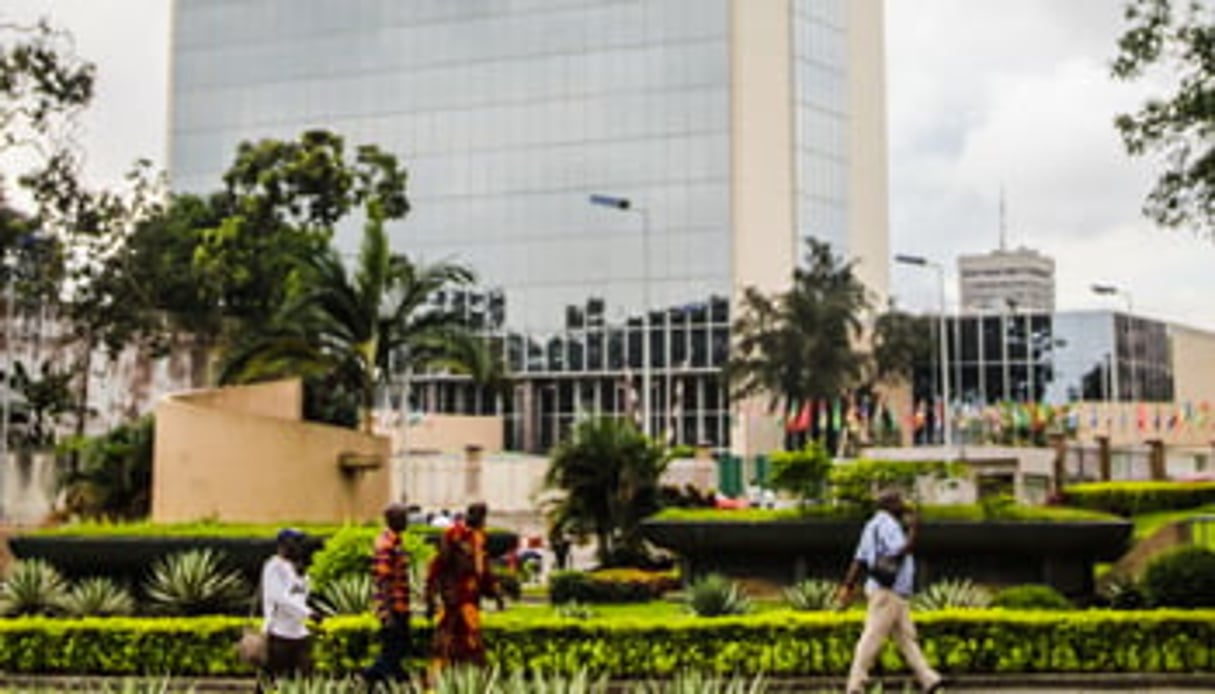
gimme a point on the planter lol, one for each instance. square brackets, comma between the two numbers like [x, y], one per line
[994, 552]
[129, 558]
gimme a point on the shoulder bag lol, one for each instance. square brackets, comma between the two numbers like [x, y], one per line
[885, 567]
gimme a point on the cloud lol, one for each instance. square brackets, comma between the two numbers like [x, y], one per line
[1017, 95]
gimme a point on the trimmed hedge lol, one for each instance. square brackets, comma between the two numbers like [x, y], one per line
[950, 512]
[610, 586]
[1133, 498]
[775, 643]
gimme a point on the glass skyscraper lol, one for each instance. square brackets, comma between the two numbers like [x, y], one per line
[734, 128]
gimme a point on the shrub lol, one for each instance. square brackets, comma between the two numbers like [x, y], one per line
[1181, 578]
[1031, 597]
[348, 553]
[855, 483]
[609, 586]
[952, 594]
[802, 473]
[810, 595]
[196, 582]
[98, 597]
[346, 595]
[32, 587]
[717, 596]
[1133, 498]
[1124, 593]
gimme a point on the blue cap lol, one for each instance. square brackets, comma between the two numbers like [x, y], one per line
[289, 534]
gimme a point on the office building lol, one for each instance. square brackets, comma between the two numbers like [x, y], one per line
[733, 128]
[1020, 279]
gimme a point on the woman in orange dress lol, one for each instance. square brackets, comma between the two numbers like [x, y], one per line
[457, 579]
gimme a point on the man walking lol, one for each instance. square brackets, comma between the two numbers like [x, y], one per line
[390, 577]
[884, 554]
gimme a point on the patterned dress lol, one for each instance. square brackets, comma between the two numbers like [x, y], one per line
[458, 577]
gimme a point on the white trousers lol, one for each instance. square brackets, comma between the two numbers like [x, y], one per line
[889, 615]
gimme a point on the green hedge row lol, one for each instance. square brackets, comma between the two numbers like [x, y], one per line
[776, 643]
[1133, 498]
[949, 512]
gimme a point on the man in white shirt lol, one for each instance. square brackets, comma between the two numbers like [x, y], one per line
[889, 613]
[285, 606]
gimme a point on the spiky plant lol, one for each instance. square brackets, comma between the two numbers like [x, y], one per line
[952, 594]
[346, 595]
[98, 597]
[575, 610]
[196, 582]
[33, 587]
[715, 596]
[811, 595]
[692, 682]
[466, 680]
[316, 685]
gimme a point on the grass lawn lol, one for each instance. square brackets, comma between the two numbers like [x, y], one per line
[1148, 523]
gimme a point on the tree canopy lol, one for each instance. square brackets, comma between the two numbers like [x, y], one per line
[1176, 37]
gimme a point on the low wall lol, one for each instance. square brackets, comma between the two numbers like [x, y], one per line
[251, 462]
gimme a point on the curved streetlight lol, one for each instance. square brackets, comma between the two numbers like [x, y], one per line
[626, 205]
[947, 415]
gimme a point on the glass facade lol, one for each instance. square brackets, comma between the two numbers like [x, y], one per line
[1052, 358]
[821, 120]
[508, 114]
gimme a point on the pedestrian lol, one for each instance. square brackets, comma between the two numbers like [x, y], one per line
[285, 606]
[390, 578]
[885, 555]
[458, 577]
[560, 544]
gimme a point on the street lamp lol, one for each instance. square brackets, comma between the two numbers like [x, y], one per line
[920, 261]
[1112, 290]
[626, 205]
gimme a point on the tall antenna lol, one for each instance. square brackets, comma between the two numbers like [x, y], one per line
[1003, 222]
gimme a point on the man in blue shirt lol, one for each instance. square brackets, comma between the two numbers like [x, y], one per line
[889, 613]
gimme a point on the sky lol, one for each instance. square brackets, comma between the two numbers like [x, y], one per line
[983, 96]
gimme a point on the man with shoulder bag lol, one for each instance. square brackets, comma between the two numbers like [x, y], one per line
[884, 557]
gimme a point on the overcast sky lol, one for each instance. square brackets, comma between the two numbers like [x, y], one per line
[983, 94]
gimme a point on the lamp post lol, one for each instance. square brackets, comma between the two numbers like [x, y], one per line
[1112, 290]
[626, 205]
[920, 261]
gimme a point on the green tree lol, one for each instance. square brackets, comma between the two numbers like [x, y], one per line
[356, 330]
[610, 474]
[285, 200]
[802, 344]
[114, 477]
[901, 341]
[1175, 38]
[47, 396]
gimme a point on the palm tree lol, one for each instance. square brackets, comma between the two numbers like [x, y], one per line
[354, 331]
[610, 474]
[801, 345]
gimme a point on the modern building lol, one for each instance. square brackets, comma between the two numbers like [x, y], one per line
[1022, 279]
[1069, 356]
[734, 129]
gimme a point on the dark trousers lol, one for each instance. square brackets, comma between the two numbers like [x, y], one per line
[285, 658]
[394, 645]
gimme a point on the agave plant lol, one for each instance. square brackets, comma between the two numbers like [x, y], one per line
[196, 582]
[697, 683]
[324, 686]
[98, 597]
[575, 610]
[32, 587]
[811, 595]
[715, 596]
[465, 680]
[349, 594]
[952, 594]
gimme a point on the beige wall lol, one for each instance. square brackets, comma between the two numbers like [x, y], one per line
[234, 455]
[448, 433]
[1193, 364]
[762, 193]
[868, 208]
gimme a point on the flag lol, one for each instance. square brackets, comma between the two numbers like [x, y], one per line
[822, 417]
[837, 419]
[632, 408]
[918, 416]
[803, 418]
[1141, 417]
[1156, 420]
[1092, 416]
[675, 411]
[791, 417]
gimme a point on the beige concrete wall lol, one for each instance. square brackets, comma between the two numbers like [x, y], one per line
[868, 206]
[762, 191]
[1193, 364]
[508, 483]
[246, 462]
